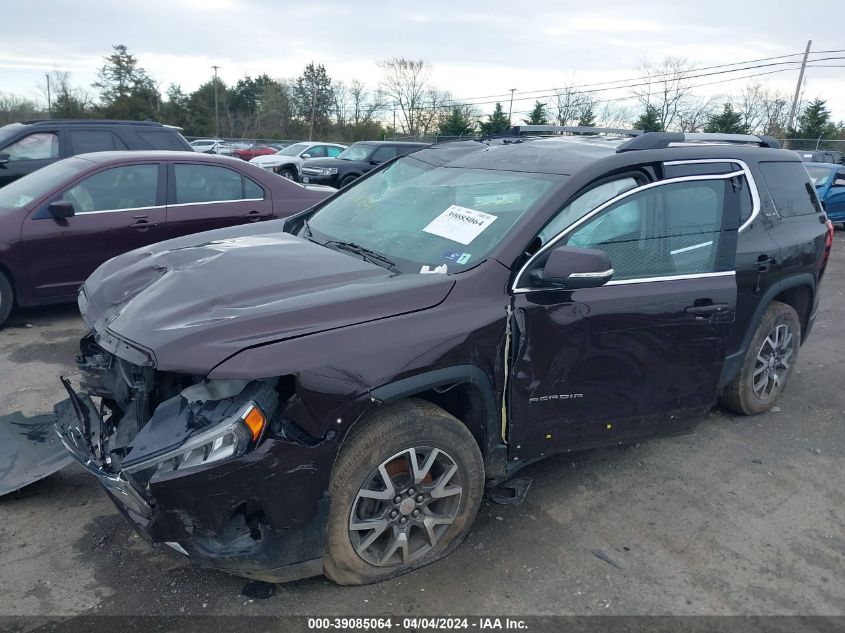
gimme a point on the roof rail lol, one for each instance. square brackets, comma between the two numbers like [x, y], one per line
[94, 122]
[662, 140]
[518, 130]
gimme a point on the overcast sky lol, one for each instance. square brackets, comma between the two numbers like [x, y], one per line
[476, 48]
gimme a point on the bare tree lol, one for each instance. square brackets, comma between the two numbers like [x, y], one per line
[405, 83]
[614, 114]
[666, 88]
[695, 114]
[14, 108]
[365, 104]
[570, 105]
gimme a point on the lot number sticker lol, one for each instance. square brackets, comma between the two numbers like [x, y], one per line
[460, 224]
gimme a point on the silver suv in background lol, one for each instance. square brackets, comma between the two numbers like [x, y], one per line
[288, 161]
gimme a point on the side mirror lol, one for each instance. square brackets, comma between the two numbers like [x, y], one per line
[61, 209]
[305, 156]
[375, 162]
[4, 158]
[571, 267]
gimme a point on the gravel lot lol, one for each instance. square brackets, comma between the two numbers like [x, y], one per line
[744, 517]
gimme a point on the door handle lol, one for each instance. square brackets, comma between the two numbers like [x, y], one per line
[764, 262]
[143, 225]
[707, 309]
[255, 216]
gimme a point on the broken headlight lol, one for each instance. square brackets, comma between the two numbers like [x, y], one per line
[230, 438]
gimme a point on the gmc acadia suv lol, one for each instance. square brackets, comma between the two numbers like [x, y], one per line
[331, 394]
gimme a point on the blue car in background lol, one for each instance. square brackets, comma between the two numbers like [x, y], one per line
[829, 180]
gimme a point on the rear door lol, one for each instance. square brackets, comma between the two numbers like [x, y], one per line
[641, 355]
[117, 209]
[202, 197]
[83, 140]
[835, 200]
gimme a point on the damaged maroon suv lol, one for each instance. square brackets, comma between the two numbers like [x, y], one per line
[334, 394]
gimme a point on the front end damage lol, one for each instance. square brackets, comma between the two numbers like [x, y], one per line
[214, 469]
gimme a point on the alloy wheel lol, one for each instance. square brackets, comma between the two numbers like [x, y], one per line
[773, 362]
[405, 506]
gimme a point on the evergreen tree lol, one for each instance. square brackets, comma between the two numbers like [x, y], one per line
[814, 122]
[126, 90]
[456, 123]
[496, 123]
[588, 117]
[538, 115]
[313, 93]
[649, 120]
[728, 121]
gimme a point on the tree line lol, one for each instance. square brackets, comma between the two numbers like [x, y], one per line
[406, 102]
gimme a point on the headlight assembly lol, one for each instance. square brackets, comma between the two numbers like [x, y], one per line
[328, 171]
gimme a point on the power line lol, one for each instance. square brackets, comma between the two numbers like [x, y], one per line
[453, 103]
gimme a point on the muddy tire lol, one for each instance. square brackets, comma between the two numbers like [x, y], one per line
[768, 363]
[347, 180]
[405, 489]
[7, 298]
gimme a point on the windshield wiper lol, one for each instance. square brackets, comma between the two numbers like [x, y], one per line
[366, 253]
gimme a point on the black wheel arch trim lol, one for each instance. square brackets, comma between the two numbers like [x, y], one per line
[733, 362]
[493, 450]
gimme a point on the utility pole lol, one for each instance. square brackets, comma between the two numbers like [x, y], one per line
[313, 105]
[510, 107]
[216, 112]
[798, 89]
[49, 100]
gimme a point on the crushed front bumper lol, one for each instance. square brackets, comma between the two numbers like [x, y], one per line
[261, 516]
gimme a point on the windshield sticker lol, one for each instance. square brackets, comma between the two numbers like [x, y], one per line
[460, 224]
[499, 198]
[439, 270]
[456, 257]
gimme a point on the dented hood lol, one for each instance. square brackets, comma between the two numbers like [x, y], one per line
[192, 302]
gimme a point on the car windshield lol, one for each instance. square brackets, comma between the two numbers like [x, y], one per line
[32, 186]
[356, 152]
[293, 150]
[425, 218]
[819, 175]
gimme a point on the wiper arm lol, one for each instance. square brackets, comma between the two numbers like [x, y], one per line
[366, 253]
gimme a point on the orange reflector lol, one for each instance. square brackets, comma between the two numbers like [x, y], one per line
[254, 421]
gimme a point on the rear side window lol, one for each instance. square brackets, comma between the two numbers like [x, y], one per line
[85, 141]
[196, 184]
[162, 140]
[790, 189]
[331, 152]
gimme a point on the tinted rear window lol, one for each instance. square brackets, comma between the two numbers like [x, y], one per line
[163, 140]
[790, 188]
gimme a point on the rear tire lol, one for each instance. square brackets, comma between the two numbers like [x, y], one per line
[7, 298]
[768, 362]
[419, 514]
[347, 180]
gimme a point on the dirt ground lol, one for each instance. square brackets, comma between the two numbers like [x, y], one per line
[744, 517]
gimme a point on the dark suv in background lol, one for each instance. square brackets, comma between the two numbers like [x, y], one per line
[353, 162]
[333, 398]
[25, 147]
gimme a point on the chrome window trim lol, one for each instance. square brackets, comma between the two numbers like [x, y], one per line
[157, 206]
[755, 194]
[191, 204]
[516, 289]
[642, 280]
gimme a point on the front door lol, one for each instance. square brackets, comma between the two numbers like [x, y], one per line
[116, 210]
[203, 197]
[641, 355]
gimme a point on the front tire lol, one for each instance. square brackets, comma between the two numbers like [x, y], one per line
[768, 363]
[288, 174]
[405, 490]
[347, 180]
[7, 298]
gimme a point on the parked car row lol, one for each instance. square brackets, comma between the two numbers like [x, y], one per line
[287, 162]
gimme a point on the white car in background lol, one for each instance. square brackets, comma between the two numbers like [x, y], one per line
[287, 162]
[212, 146]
